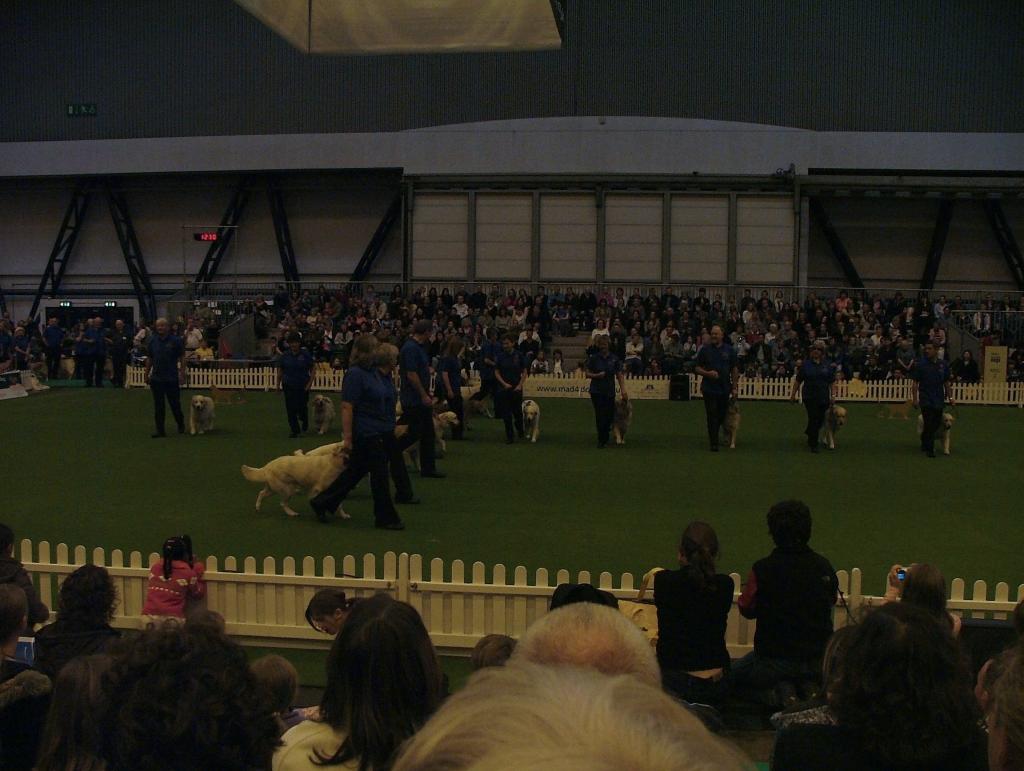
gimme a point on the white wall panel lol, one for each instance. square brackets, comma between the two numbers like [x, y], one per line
[632, 240]
[504, 235]
[700, 238]
[765, 234]
[440, 231]
[568, 237]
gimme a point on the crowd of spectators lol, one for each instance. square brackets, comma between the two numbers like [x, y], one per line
[582, 688]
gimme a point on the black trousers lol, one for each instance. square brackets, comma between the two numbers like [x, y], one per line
[604, 414]
[932, 420]
[715, 406]
[120, 362]
[455, 405]
[99, 362]
[172, 393]
[420, 420]
[296, 403]
[815, 420]
[53, 363]
[508, 405]
[370, 455]
[486, 389]
[85, 365]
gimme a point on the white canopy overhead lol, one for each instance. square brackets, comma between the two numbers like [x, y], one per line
[410, 26]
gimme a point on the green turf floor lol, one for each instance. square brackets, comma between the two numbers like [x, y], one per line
[82, 469]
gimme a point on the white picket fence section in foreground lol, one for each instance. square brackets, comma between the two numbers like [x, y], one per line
[264, 603]
[264, 378]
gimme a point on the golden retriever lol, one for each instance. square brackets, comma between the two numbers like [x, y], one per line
[942, 433]
[894, 411]
[531, 419]
[731, 427]
[291, 474]
[200, 415]
[441, 421]
[323, 413]
[622, 420]
[835, 419]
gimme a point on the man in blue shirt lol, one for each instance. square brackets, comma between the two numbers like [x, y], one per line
[94, 332]
[165, 372]
[603, 369]
[719, 371]
[488, 357]
[931, 391]
[295, 378]
[817, 376]
[417, 403]
[510, 375]
[53, 339]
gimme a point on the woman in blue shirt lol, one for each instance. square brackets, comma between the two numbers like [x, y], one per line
[603, 369]
[295, 377]
[817, 378]
[510, 374]
[449, 381]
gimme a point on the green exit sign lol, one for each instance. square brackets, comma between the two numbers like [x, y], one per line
[82, 110]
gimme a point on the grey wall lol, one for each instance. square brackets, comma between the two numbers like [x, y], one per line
[206, 67]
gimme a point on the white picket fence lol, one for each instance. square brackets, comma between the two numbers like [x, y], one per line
[264, 603]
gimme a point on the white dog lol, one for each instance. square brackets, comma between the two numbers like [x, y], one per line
[942, 432]
[290, 474]
[200, 416]
[441, 421]
[531, 419]
[323, 413]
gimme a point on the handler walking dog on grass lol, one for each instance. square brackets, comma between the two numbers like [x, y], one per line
[165, 373]
[417, 403]
[931, 390]
[719, 371]
[818, 378]
[603, 369]
[295, 378]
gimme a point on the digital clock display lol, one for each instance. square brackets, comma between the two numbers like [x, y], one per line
[205, 236]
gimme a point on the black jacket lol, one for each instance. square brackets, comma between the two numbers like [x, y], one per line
[58, 643]
[13, 572]
[24, 699]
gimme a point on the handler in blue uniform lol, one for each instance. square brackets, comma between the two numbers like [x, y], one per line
[931, 390]
[417, 403]
[295, 377]
[603, 369]
[510, 375]
[817, 378]
[368, 427]
[53, 339]
[449, 382]
[719, 371]
[165, 372]
[488, 358]
[99, 350]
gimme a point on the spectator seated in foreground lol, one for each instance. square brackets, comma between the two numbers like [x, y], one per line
[13, 572]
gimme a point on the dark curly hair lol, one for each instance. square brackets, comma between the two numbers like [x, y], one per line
[184, 697]
[87, 598]
[789, 522]
[903, 688]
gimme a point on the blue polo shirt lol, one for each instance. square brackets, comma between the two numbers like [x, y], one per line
[817, 380]
[413, 358]
[22, 342]
[97, 345]
[931, 380]
[453, 367]
[372, 396]
[6, 341]
[510, 366]
[295, 368]
[53, 336]
[163, 356]
[721, 359]
[490, 351]
[611, 366]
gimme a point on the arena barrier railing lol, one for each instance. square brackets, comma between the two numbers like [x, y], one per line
[263, 603]
[232, 375]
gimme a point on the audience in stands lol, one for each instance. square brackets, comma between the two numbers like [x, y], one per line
[327, 610]
[921, 585]
[13, 572]
[1005, 715]
[493, 650]
[278, 682]
[86, 607]
[71, 736]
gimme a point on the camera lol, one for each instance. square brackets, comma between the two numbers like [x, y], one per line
[901, 574]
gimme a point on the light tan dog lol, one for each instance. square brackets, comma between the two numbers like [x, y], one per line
[200, 415]
[896, 411]
[531, 419]
[323, 413]
[835, 419]
[622, 421]
[226, 396]
[441, 421]
[942, 433]
[731, 427]
[291, 474]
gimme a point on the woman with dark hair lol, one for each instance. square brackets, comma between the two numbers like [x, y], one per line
[449, 381]
[174, 580]
[327, 611]
[693, 605]
[71, 737]
[87, 603]
[902, 699]
[922, 585]
[383, 683]
[24, 692]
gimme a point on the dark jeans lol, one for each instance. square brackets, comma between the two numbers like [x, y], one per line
[716, 406]
[604, 414]
[508, 405]
[296, 404]
[932, 420]
[99, 362]
[420, 420]
[695, 689]
[85, 365]
[762, 674]
[120, 362]
[172, 393]
[369, 455]
[53, 363]
[815, 420]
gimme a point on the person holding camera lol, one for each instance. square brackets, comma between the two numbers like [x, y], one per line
[818, 380]
[175, 580]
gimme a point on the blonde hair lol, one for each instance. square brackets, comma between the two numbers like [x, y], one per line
[592, 637]
[562, 719]
[363, 350]
[492, 650]
[386, 355]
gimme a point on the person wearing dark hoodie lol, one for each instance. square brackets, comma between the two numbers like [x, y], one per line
[82, 628]
[24, 691]
[13, 572]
